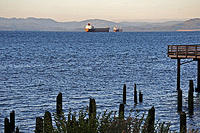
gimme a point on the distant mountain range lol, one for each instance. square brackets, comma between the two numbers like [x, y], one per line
[41, 24]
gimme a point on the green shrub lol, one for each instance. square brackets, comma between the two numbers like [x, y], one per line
[107, 122]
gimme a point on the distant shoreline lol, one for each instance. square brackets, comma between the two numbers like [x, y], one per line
[189, 30]
[42, 24]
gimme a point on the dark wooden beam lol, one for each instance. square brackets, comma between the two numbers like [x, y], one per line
[178, 73]
[198, 76]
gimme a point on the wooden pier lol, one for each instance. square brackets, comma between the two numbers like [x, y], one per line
[185, 52]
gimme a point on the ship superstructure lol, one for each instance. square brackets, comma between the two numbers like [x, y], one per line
[116, 29]
[90, 28]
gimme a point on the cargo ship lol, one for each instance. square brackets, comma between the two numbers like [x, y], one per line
[115, 29]
[90, 28]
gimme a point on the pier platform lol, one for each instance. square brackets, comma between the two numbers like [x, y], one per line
[185, 52]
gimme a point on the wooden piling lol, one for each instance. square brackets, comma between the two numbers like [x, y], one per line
[135, 94]
[7, 126]
[59, 104]
[92, 108]
[190, 102]
[124, 94]
[151, 115]
[121, 111]
[179, 100]
[178, 73]
[12, 121]
[183, 128]
[73, 118]
[191, 85]
[73, 122]
[140, 97]
[69, 117]
[48, 128]
[198, 76]
[150, 121]
[39, 125]
[17, 130]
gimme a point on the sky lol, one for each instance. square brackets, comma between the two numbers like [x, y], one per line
[114, 10]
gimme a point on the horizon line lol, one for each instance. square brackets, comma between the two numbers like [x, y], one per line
[118, 21]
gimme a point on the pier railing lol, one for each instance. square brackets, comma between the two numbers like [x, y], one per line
[184, 51]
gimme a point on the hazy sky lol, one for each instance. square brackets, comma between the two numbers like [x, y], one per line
[116, 10]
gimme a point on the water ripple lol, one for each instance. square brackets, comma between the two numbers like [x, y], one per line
[36, 66]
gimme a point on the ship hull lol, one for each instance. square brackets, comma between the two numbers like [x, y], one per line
[98, 30]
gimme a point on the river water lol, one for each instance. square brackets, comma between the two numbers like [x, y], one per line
[36, 66]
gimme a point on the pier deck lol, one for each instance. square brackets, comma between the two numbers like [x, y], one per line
[184, 51]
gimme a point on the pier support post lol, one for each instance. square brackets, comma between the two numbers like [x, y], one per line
[121, 111]
[39, 125]
[140, 96]
[135, 94]
[179, 100]
[150, 121]
[7, 126]
[178, 73]
[191, 85]
[183, 122]
[17, 130]
[59, 104]
[48, 127]
[12, 121]
[92, 109]
[190, 102]
[198, 76]
[124, 94]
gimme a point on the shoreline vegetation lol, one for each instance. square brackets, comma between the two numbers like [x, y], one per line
[88, 121]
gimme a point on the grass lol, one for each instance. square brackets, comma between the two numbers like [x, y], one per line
[107, 122]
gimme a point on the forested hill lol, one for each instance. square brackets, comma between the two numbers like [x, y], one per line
[42, 24]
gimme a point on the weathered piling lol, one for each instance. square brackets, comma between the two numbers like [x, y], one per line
[92, 116]
[179, 100]
[178, 73]
[140, 97]
[135, 94]
[190, 102]
[150, 121]
[124, 94]
[39, 125]
[73, 118]
[7, 126]
[183, 127]
[198, 76]
[17, 130]
[12, 121]
[73, 122]
[69, 117]
[59, 104]
[121, 111]
[191, 85]
[197, 90]
[48, 128]
[92, 108]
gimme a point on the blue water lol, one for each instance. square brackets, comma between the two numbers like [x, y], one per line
[36, 66]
